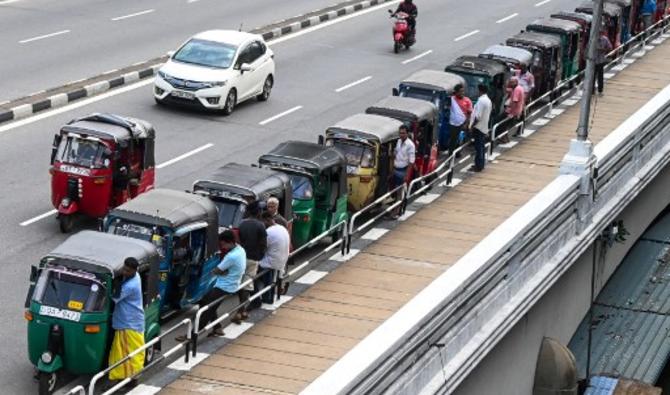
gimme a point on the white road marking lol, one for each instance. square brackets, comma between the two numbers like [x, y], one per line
[184, 156]
[311, 277]
[277, 304]
[570, 102]
[508, 145]
[181, 365]
[507, 18]
[455, 181]
[466, 35]
[274, 118]
[351, 85]
[417, 57]
[28, 40]
[120, 18]
[408, 213]
[233, 331]
[192, 1]
[543, 2]
[3, 2]
[374, 234]
[541, 122]
[144, 389]
[528, 132]
[343, 258]
[427, 198]
[38, 218]
[607, 76]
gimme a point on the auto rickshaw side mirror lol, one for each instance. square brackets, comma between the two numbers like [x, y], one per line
[395, 92]
[321, 140]
[34, 272]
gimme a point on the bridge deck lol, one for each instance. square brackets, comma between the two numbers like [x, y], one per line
[291, 348]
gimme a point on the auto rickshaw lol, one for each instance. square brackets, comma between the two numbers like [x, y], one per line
[318, 177]
[420, 117]
[184, 228]
[69, 303]
[367, 142]
[514, 58]
[490, 72]
[569, 33]
[547, 58]
[98, 162]
[611, 19]
[234, 186]
[436, 87]
[584, 21]
[629, 12]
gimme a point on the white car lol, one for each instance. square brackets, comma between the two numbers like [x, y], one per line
[217, 70]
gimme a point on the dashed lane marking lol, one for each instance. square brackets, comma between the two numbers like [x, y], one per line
[280, 115]
[466, 35]
[351, 85]
[120, 18]
[417, 57]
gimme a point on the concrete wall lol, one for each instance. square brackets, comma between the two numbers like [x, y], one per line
[510, 368]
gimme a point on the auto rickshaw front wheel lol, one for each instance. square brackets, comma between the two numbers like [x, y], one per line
[66, 222]
[47, 382]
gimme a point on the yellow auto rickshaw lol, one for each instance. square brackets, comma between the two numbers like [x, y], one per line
[367, 141]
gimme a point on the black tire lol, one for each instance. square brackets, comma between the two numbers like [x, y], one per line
[231, 102]
[66, 222]
[47, 383]
[396, 47]
[267, 89]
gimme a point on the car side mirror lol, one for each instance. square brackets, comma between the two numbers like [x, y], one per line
[395, 92]
[170, 53]
[245, 67]
[321, 140]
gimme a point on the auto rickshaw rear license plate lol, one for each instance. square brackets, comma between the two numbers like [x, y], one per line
[183, 95]
[58, 313]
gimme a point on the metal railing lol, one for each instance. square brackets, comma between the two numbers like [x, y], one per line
[150, 344]
[78, 390]
[398, 203]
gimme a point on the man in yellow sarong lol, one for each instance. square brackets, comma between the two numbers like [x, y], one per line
[128, 324]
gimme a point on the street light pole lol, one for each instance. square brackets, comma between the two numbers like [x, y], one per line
[590, 72]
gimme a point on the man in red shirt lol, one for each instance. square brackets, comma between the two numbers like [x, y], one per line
[459, 116]
[516, 102]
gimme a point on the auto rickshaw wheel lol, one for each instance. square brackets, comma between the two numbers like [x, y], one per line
[47, 383]
[231, 101]
[66, 223]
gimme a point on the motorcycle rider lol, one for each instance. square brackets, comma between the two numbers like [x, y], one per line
[409, 8]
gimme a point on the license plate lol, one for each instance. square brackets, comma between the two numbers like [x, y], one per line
[75, 170]
[58, 313]
[183, 95]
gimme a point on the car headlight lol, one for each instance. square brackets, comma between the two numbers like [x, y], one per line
[214, 84]
[47, 357]
[163, 75]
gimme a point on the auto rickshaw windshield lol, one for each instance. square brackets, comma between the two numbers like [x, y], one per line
[421, 94]
[140, 232]
[231, 212]
[472, 81]
[358, 155]
[302, 187]
[83, 152]
[67, 290]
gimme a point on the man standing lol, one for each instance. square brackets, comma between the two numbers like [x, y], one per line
[272, 206]
[517, 101]
[527, 81]
[128, 323]
[604, 47]
[459, 116]
[404, 156]
[276, 256]
[253, 239]
[480, 126]
[648, 10]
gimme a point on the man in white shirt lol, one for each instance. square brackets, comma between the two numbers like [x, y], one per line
[479, 124]
[404, 156]
[276, 255]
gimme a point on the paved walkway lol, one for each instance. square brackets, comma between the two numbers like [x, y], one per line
[285, 352]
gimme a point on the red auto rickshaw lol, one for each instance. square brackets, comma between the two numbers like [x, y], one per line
[99, 162]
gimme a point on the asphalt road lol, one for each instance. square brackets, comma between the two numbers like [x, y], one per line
[312, 66]
[47, 43]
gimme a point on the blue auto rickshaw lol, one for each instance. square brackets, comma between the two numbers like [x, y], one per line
[436, 87]
[184, 228]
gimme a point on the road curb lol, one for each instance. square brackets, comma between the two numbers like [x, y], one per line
[60, 96]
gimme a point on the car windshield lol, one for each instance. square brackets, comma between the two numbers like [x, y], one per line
[69, 291]
[231, 212]
[206, 53]
[358, 155]
[81, 152]
[140, 232]
[302, 187]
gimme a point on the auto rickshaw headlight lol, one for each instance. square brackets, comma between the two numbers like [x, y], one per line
[92, 329]
[47, 357]
[65, 203]
[28, 315]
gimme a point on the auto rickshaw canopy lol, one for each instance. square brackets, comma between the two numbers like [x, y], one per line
[555, 25]
[513, 56]
[476, 65]
[104, 253]
[574, 16]
[609, 9]
[366, 126]
[406, 108]
[534, 39]
[622, 3]
[303, 156]
[248, 183]
[172, 209]
[434, 80]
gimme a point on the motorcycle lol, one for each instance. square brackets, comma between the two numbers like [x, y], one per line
[402, 34]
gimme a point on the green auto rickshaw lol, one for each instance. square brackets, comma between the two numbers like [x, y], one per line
[69, 304]
[319, 181]
[570, 34]
[547, 53]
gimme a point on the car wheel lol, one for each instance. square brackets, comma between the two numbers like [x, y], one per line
[267, 89]
[231, 100]
[159, 101]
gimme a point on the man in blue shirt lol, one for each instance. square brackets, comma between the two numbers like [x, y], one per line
[128, 323]
[228, 276]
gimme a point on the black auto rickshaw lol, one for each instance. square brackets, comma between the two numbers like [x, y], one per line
[547, 58]
[584, 21]
[234, 186]
[318, 177]
[420, 117]
[490, 72]
[69, 304]
[367, 141]
[570, 34]
[184, 228]
[515, 58]
[611, 19]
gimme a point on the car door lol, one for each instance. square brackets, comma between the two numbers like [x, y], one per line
[258, 61]
[243, 80]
